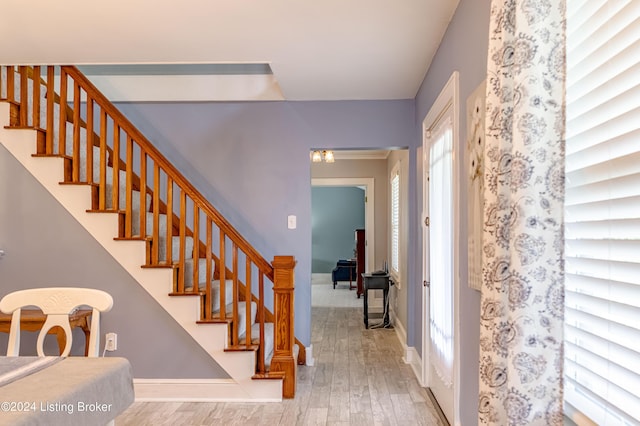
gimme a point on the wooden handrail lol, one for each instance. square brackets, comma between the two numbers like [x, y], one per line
[178, 178]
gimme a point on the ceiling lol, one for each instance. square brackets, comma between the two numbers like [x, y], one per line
[315, 50]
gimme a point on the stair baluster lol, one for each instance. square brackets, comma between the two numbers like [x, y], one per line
[24, 97]
[50, 115]
[10, 84]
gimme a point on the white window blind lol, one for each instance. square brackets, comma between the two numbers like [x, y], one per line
[602, 211]
[395, 220]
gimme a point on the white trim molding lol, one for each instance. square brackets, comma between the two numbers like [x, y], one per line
[310, 360]
[199, 390]
[410, 354]
[399, 328]
[186, 88]
[412, 357]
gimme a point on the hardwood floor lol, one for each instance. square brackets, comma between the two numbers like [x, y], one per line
[358, 378]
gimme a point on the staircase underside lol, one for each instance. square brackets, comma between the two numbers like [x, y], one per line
[158, 282]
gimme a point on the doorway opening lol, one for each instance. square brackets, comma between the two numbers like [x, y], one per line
[340, 206]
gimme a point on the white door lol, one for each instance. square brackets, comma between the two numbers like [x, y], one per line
[439, 350]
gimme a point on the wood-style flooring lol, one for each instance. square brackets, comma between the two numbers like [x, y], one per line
[358, 378]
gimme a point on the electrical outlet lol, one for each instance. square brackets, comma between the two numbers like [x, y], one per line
[111, 342]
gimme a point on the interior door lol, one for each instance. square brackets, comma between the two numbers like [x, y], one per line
[438, 263]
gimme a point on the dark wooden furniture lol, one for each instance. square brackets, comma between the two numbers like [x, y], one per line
[360, 258]
[33, 320]
[376, 282]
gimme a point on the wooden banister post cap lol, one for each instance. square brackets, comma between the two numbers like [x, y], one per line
[283, 262]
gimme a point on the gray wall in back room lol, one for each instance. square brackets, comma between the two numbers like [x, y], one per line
[336, 212]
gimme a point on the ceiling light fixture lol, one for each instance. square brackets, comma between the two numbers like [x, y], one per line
[319, 156]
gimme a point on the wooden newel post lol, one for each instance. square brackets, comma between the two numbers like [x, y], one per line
[283, 359]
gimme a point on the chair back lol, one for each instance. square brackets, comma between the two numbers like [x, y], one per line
[57, 303]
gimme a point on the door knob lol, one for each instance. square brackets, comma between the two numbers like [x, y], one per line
[426, 283]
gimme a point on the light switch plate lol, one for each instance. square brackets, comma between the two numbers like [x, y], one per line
[291, 221]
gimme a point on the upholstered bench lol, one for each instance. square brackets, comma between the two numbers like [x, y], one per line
[345, 270]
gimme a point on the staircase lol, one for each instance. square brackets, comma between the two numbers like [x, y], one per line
[156, 224]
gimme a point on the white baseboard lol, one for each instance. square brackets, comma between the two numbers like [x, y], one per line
[410, 354]
[196, 390]
[412, 357]
[401, 333]
[310, 360]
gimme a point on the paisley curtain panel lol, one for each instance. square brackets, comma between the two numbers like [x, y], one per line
[522, 294]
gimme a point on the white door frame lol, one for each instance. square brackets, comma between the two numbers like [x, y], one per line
[425, 379]
[369, 208]
[448, 96]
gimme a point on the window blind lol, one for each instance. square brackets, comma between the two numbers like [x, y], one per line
[602, 211]
[395, 221]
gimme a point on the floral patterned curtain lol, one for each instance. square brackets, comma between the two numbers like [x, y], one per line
[522, 301]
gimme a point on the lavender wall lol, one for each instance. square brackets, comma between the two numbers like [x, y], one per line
[463, 48]
[251, 160]
[46, 247]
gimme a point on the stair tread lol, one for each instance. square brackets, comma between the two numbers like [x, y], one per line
[105, 211]
[184, 294]
[241, 348]
[132, 238]
[77, 183]
[275, 375]
[213, 321]
[66, 157]
[159, 265]
[162, 264]
[39, 129]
